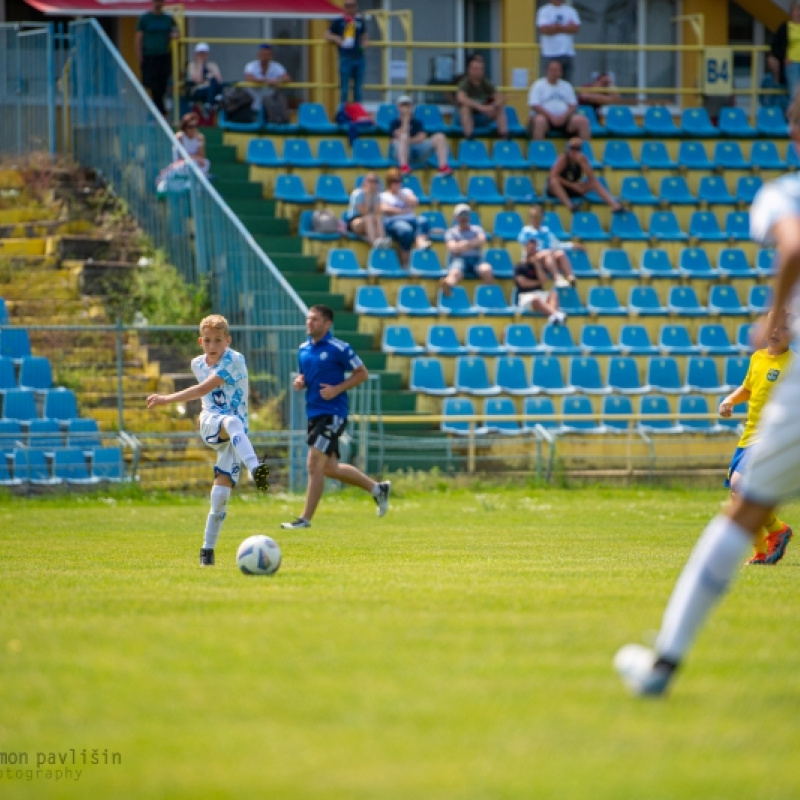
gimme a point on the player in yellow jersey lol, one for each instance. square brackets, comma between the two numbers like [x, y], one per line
[765, 370]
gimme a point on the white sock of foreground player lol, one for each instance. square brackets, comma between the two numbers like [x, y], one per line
[219, 510]
[241, 444]
[716, 557]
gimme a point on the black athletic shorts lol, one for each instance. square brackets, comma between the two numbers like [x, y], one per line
[324, 433]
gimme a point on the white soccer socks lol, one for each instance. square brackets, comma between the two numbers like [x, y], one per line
[219, 510]
[241, 444]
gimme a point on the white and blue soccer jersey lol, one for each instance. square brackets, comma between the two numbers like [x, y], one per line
[230, 397]
[326, 362]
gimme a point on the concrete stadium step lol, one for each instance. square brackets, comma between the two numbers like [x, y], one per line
[275, 246]
[290, 262]
[29, 213]
[23, 247]
[334, 301]
[398, 402]
[214, 136]
[373, 360]
[302, 282]
[239, 189]
[261, 208]
[224, 154]
[264, 226]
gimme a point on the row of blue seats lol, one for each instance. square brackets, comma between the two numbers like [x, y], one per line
[20, 404]
[49, 434]
[693, 262]
[654, 416]
[595, 339]
[312, 118]
[584, 376]
[70, 465]
[366, 153]
[24, 372]
[723, 300]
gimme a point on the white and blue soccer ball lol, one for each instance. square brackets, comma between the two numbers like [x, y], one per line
[258, 555]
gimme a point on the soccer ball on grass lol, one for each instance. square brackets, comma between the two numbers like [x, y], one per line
[258, 555]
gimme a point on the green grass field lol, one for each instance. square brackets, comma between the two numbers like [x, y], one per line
[460, 647]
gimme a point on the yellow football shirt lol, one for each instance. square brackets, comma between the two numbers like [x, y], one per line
[762, 375]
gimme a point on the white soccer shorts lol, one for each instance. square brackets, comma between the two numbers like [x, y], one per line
[227, 461]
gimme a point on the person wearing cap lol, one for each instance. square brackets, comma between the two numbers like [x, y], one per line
[349, 33]
[203, 77]
[268, 74]
[550, 248]
[465, 242]
[534, 283]
[154, 31]
[553, 104]
[412, 145]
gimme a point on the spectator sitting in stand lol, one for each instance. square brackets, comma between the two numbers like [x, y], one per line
[410, 143]
[478, 101]
[465, 243]
[270, 76]
[553, 105]
[532, 278]
[571, 178]
[364, 217]
[550, 248]
[589, 96]
[399, 204]
[193, 142]
[203, 78]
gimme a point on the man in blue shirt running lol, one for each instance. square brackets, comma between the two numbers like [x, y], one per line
[324, 360]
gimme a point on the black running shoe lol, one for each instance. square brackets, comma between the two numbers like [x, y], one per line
[261, 477]
[295, 524]
[206, 557]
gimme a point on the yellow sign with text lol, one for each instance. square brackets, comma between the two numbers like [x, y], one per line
[718, 70]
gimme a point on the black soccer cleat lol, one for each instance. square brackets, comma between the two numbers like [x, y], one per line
[261, 477]
[206, 557]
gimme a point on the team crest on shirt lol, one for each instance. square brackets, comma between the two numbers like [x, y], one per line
[773, 375]
[218, 398]
[323, 356]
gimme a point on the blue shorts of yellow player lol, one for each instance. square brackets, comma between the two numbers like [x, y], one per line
[737, 463]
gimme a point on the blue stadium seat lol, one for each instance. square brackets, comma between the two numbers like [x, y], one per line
[737, 226]
[500, 261]
[426, 264]
[542, 154]
[457, 407]
[520, 338]
[623, 376]
[413, 300]
[615, 407]
[386, 114]
[581, 266]
[15, 344]
[297, 153]
[552, 222]
[515, 128]
[507, 226]
[431, 117]
[702, 375]
[306, 229]
[371, 301]
[594, 163]
[712, 190]
[674, 340]
[35, 373]
[595, 127]
[4, 318]
[457, 304]
[693, 263]
[636, 191]
[83, 432]
[261, 153]
[732, 263]
[108, 464]
[70, 465]
[654, 155]
[733, 122]
[635, 340]
[399, 340]
[472, 377]
[658, 122]
[692, 155]
[620, 122]
[384, 263]
[8, 377]
[331, 153]
[20, 404]
[412, 182]
[242, 127]
[643, 301]
[443, 340]
[664, 226]
[45, 434]
[512, 376]
[330, 189]
[343, 263]
[481, 340]
[584, 375]
[682, 300]
[690, 405]
[445, 189]
[771, 122]
[557, 340]
[586, 226]
[617, 154]
[674, 191]
[596, 341]
[695, 122]
[507, 155]
[724, 301]
[735, 371]
[570, 303]
[603, 300]
[290, 189]
[615, 263]
[655, 263]
[759, 299]
[542, 413]
[472, 154]
[491, 302]
[313, 118]
[625, 226]
[573, 409]
[663, 375]
[548, 377]
[494, 407]
[60, 404]
[703, 225]
[367, 153]
[728, 155]
[519, 189]
[713, 340]
[746, 188]
[31, 466]
[426, 376]
[437, 225]
[765, 262]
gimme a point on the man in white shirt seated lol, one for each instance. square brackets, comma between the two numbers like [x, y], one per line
[268, 74]
[553, 105]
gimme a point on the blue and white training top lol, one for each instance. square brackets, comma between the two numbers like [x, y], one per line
[326, 362]
[231, 397]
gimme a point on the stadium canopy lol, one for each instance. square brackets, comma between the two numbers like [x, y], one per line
[192, 8]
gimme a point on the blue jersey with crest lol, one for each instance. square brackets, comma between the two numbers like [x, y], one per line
[230, 397]
[326, 362]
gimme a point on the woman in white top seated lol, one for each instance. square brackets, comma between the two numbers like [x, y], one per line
[399, 208]
[203, 77]
[193, 141]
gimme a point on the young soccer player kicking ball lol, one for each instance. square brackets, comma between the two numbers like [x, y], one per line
[222, 386]
[771, 475]
[765, 370]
